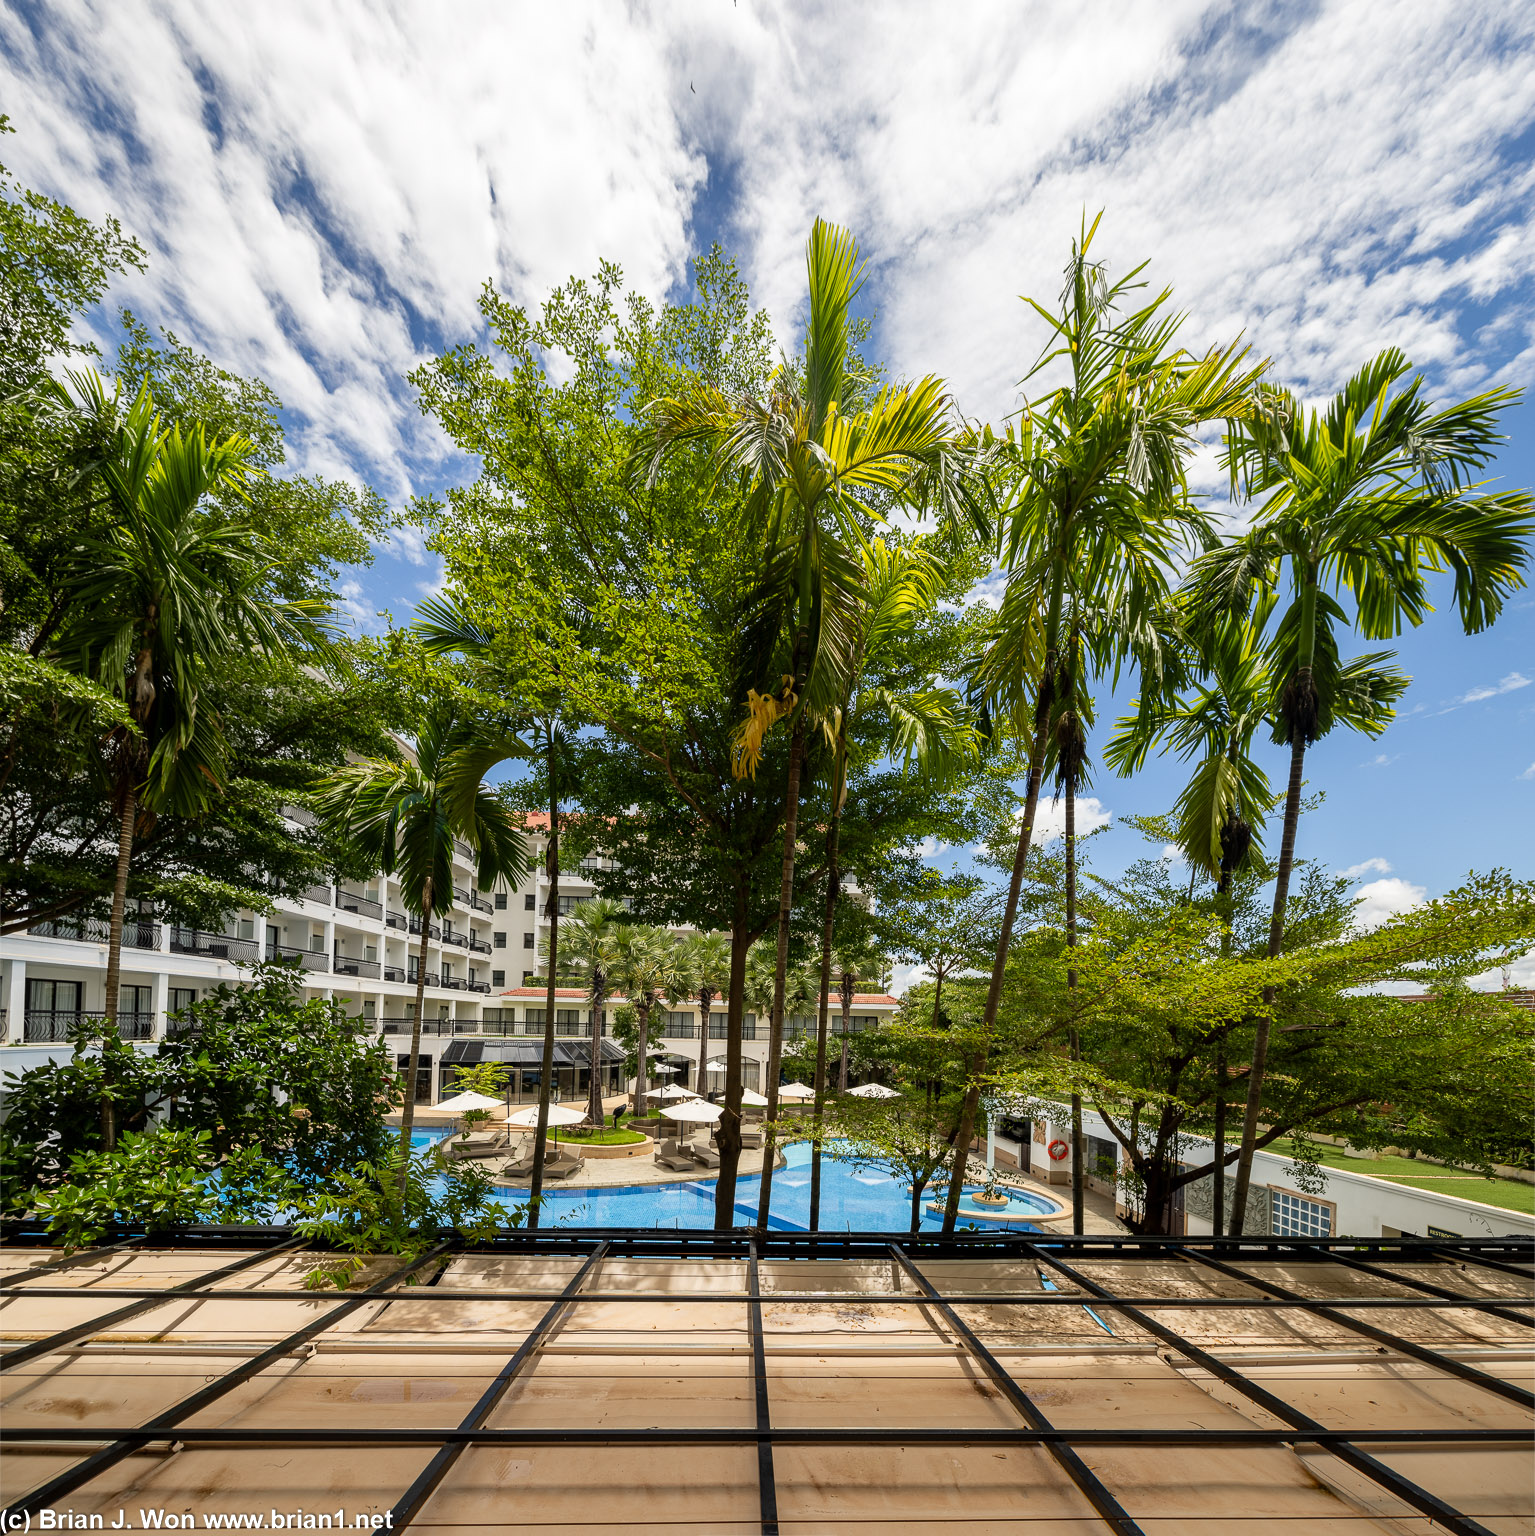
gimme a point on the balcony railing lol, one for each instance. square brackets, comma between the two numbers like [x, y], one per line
[478, 986]
[394, 973]
[53, 1025]
[395, 920]
[431, 978]
[479, 946]
[214, 946]
[455, 984]
[461, 895]
[457, 940]
[397, 1026]
[363, 906]
[346, 965]
[415, 927]
[138, 933]
[479, 903]
[320, 893]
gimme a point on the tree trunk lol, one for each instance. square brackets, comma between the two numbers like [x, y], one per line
[546, 1061]
[1265, 1019]
[847, 1012]
[115, 966]
[705, 1004]
[641, 1099]
[917, 1186]
[1218, 1186]
[408, 1109]
[781, 968]
[594, 1110]
[833, 885]
[1078, 1161]
[727, 1135]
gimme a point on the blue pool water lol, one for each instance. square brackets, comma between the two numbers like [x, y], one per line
[852, 1199]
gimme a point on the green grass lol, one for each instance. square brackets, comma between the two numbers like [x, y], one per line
[1505, 1194]
[606, 1137]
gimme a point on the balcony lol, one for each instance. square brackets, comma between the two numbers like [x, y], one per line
[138, 932]
[478, 986]
[457, 940]
[479, 902]
[395, 920]
[431, 978]
[320, 894]
[52, 1025]
[455, 983]
[461, 895]
[363, 906]
[398, 1026]
[214, 946]
[345, 965]
[479, 946]
[394, 973]
[433, 932]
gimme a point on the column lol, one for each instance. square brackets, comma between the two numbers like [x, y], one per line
[16, 1001]
[261, 935]
[330, 945]
[162, 997]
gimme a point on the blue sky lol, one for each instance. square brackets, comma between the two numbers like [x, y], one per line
[322, 188]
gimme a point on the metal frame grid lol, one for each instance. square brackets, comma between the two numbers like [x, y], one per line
[1501, 1256]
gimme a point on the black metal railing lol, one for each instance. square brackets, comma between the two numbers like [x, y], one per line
[431, 977]
[398, 1026]
[415, 927]
[138, 932]
[363, 906]
[214, 946]
[395, 920]
[320, 893]
[478, 986]
[50, 1025]
[479, 903]
[479, 946]
[347, 965]
[455, 938]
[455, 983]
[394, 973]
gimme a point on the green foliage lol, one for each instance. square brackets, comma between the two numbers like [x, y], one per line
[158, 1179]
[486, 1077]
[393, 1206]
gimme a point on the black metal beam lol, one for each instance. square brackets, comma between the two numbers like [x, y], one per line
[1502, 1309]
[191, 1290]
[1112, 1511]
[1017, 1434]
[66, 1482]
[767, 1483]
[1377, 1471]
[408, 1505]
[1523, 1271]
[1440, 1362]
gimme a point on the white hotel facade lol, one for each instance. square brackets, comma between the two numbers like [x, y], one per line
[356, 944]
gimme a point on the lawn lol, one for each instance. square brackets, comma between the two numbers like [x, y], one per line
[606, 1137]
[1505, 1194]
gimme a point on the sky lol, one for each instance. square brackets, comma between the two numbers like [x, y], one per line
[322, 189]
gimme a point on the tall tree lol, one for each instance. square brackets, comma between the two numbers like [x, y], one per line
[1099, 507]
[591, 955]
[1361, 502]
[649, 970]
[704, 960]
[406, 815]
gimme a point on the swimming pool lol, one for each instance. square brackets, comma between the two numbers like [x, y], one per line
[852, 1199]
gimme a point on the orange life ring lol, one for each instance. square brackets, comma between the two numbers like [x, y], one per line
[1057, 1150]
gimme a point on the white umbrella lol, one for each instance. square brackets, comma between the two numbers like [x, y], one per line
[694, 1109]
[796, 1091]
[462, 1103]
[717, 1065]
[751, 1096]
[874, 1091]
[672, 1091]
[527, 1119]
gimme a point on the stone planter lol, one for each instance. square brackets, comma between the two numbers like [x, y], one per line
[622, 1149]
[999, 1201]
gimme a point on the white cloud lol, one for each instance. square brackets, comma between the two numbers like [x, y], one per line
[1050, 818]
[928, 848]
[1172, 854]
[1381, 760]
[1382, 899]
[1369, 867]
[1529, 773]
[1509, 684]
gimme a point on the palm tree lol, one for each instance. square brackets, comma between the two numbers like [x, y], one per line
[154, 603]
[810, 452]
[1099, 506]
[647, 970]
[703, 959]
[1363, 501]
[592, 954]
[405, 817]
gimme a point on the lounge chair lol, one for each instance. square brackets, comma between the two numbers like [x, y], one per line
[458, 1149]
[705, 1155]
[670, 1155]
[751, 1137]
[523, 1167]
[564, 1166]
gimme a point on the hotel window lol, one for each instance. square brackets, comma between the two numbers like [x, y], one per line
[497, 979]
[527, 902]
[500, 941]
[1296, 1216]
[527, 941]
[501, 901]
